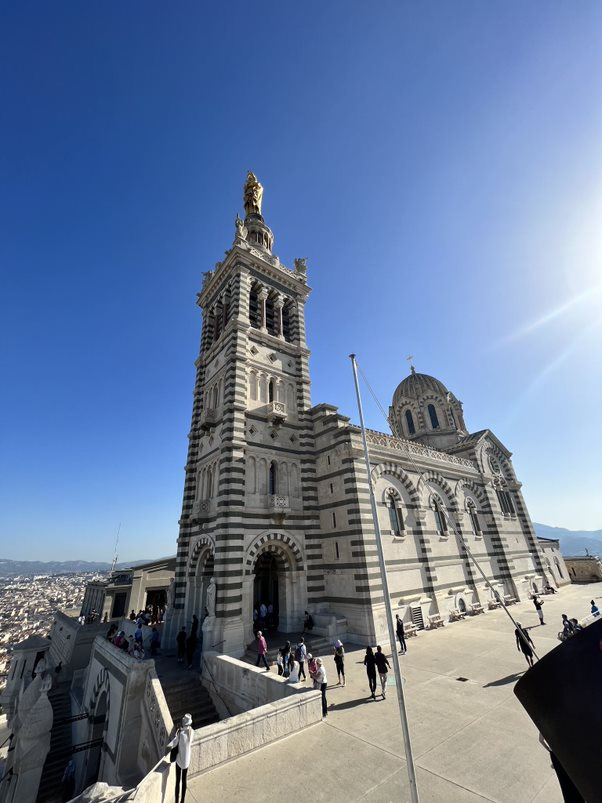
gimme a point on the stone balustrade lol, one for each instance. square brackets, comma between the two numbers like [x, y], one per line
[399, 444]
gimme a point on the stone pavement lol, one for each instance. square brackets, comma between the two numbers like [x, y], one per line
[472, 740]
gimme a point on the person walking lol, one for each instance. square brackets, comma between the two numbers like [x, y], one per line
[401, 634]
[538, 607]
[339, 660]
[383, 667]
[370, 665]
[183, 739]
[300, 656]
[321, 683]
[524, 643]
[293, 670]
[595, 609]
[181, 645]
[262, 649]
[284, 659]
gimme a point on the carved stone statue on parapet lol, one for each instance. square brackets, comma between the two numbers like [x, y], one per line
[211, 594]
[301, 266]
[253, 194]
[241, 229]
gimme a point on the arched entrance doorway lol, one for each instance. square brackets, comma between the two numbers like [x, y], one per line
[275, 576]
[265, 589]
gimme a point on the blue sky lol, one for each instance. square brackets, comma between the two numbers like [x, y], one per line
[440, 165]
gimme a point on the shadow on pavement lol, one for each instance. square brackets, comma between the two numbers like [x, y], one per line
[504, 681]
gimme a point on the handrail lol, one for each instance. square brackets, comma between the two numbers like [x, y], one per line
[10, 736]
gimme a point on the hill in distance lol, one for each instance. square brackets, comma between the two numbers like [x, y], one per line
[572, 542]
[28, 568]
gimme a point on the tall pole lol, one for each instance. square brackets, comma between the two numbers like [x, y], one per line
[383, 574]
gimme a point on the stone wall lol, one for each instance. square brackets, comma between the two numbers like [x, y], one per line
[240, 734]
[242, 686]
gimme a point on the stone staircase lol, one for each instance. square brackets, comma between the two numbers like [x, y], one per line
[60, 745]
[184, 693]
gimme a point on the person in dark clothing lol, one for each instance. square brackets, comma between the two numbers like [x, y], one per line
[191, 643]
[524, 643]
[308, 623]
[181, 644]
[155, 641]
[401, 634]
[383, 667]
[370, 664]
[285, 657]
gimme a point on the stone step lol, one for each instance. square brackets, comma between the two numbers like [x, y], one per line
[60, 745]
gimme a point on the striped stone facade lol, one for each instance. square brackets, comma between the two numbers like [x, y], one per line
[276, 490]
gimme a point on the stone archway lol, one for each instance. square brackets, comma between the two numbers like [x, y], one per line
[274, 569]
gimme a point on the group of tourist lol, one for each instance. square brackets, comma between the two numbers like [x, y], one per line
[134, 645]
[151, 615]
[291, 663]
[265, 617]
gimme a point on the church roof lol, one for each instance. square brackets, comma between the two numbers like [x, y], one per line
[416, 385]
[32, 643]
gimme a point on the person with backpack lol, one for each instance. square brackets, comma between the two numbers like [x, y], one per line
[339, 660]
[300, 657]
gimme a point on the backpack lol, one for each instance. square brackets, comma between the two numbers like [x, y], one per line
[298, 653]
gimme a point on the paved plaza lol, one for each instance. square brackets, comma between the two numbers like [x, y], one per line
[472, 740]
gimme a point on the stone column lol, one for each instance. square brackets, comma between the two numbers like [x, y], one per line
[278, 305]
[261, 298]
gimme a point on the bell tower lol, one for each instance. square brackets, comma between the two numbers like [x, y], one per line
[250, 489]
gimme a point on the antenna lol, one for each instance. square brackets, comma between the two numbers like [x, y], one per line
[115, 555]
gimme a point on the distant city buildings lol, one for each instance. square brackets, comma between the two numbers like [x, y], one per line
[28, 605]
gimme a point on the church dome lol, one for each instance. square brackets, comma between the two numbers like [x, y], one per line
[423, 409]
[415, 386]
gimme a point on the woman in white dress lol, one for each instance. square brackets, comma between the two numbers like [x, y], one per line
[183, 739]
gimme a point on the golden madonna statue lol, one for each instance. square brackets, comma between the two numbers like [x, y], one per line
[253, 194]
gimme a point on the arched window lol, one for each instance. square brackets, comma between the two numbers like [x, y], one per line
[209, 485]
[557, 562]
[474, 518]
[271, 390]
[273, 477]
[440, 521]
[433, 416]
[286, 321]
[410, 423]
[254, 311]
[395, 515]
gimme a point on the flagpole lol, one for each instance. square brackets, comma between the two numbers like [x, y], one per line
[383, 573]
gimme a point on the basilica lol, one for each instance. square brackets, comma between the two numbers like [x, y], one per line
[276, 505]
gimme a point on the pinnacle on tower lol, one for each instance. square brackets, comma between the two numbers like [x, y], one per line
[254, 229]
